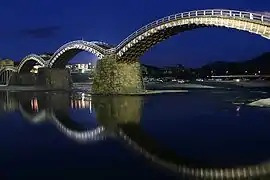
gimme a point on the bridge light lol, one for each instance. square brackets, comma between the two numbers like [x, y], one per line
[227, 72]
[259, 72]
[245, 71]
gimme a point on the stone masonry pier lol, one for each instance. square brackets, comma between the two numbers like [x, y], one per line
[25, 79]
[113, 76]
[53, 78]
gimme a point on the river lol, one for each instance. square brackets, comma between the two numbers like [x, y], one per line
[201, 133]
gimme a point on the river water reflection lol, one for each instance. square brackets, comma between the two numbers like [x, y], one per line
[199, 134]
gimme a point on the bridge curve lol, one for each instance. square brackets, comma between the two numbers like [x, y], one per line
[29, 61]
[78, 135]
[71, 49]
[81, 136]
[8, 68]
[245, 172]
[35, 118]
[149, 35]
[6, 73]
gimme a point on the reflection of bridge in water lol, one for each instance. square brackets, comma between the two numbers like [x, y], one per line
[119, 118]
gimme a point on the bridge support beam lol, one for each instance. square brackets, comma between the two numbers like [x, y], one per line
[115, 76]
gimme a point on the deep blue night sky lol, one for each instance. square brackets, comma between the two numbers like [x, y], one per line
[42, 26]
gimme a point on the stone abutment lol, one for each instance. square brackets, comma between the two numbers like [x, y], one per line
[114, 76]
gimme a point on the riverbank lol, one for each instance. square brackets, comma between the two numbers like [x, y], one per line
[245, 84]
[173, 86]
[26, 88]
[85, 88]
[150, 87]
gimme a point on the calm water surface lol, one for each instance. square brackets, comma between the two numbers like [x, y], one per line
[61, 135]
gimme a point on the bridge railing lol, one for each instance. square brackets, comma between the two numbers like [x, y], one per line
[92, 43]
[251, 16]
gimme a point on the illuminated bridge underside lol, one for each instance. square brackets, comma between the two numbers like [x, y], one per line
[5, 74]
[140, 43]
[71, 49]
[135, 45]
[29, 62]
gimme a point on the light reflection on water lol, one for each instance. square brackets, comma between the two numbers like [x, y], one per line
[198, 134]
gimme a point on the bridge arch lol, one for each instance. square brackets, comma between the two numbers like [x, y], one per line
[29, 62]
[243, 172]
[5, 74]
[69, 50]
[149, 35]
[78, 134]
[35, 118]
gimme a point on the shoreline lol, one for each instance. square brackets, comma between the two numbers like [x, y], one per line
[152, 86]
[72, 89]
[77, 86]
[244, 84]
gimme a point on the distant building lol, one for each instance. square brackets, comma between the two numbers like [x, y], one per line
[81, 68]
[35, 69]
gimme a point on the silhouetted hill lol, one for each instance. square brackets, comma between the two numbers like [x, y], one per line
[258, 64]
[150, 67]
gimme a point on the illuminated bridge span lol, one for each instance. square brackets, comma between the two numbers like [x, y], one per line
[119, 72]
[147, 36]
[5, 74]
[71, 49]
[144, 38]
[125, 76]
[64, 53]
[27, 63]
[141, 40]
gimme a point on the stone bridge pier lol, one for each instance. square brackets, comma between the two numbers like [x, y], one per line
[49, 78]
[53, 78]
[114, 75]
[25, 79]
